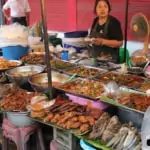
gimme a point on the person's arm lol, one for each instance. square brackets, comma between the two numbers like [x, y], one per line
[5, 7]
[109, 43]
[28, 10]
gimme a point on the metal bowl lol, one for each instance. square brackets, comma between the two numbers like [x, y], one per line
[147, 74]
[19, 119]
[135, 70]
[39, 82]
[23, 79]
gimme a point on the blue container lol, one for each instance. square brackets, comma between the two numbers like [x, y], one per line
[14, 52]
[76, 34]
[78, 49]
[64, 55]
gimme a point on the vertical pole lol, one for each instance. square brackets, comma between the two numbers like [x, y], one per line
[126, 29]
[2, 19]
[46, 43]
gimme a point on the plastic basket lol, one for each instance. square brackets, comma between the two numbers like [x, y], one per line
[64, 138]
[14, 52]
[56, 146]
[86, 146]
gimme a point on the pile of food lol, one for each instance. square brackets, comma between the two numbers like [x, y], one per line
[126, 80]
[17, 100]
[24, 73]
[5, 89]
[5, 64]
[60, 64]
[33, 59]
[138, 60]
[114, 134]
[84, 71]
[69, 115]
[137, 101]
[145, 86]
[88, 88]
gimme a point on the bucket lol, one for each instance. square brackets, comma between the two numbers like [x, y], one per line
[14, 52]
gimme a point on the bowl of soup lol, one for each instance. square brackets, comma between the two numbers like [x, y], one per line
[20, 75]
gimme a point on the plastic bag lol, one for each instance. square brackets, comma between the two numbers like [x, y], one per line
[9, 36]
[145, 131]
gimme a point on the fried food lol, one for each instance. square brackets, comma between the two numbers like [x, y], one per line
[84, 128]
[17, 100]
[33, 59]
[84, 72]
[49, 117]
[137, 101]
[89, 88]
[5, 64]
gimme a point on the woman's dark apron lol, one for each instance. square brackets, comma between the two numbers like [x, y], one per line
[99, 50]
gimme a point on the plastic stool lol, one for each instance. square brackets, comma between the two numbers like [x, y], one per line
[20, 136]
[12, 133]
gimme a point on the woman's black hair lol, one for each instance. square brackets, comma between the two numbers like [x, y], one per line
[106, 1]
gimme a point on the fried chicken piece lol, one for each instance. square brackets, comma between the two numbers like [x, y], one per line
[69, 124]
[84, 128]
[75, 125]
[68, 115]
[90, 120]
[49, 117]
[83, 119]
[56, 118]
[74, 119]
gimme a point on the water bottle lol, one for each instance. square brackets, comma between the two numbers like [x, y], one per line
[64, 55]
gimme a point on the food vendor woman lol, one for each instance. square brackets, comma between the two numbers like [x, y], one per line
[106, 32]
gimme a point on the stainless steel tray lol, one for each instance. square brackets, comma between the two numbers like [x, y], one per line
[99, 71]
[78, 80]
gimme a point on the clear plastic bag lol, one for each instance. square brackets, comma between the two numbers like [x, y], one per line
[145, 131]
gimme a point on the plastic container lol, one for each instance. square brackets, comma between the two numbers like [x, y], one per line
[19, 119]
[64, 138]
[76, 34]
[83, 101]
[64, 55]
[145, 131]
[86, 146]
[56, 146]
[14, 52]
[77, 43]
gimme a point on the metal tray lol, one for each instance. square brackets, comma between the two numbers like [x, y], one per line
[100, 76]
[123, 91]
[38, 79]
[79, 80]
[99, 71]
[63, 68]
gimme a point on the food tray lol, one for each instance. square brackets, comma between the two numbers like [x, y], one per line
[33, 59]
[145, 86]
[131, 81]
[94, 143]
[60, 65]
[84, 71]
[123, 93]
[19, 63]
[96, 88]
[39, 82]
